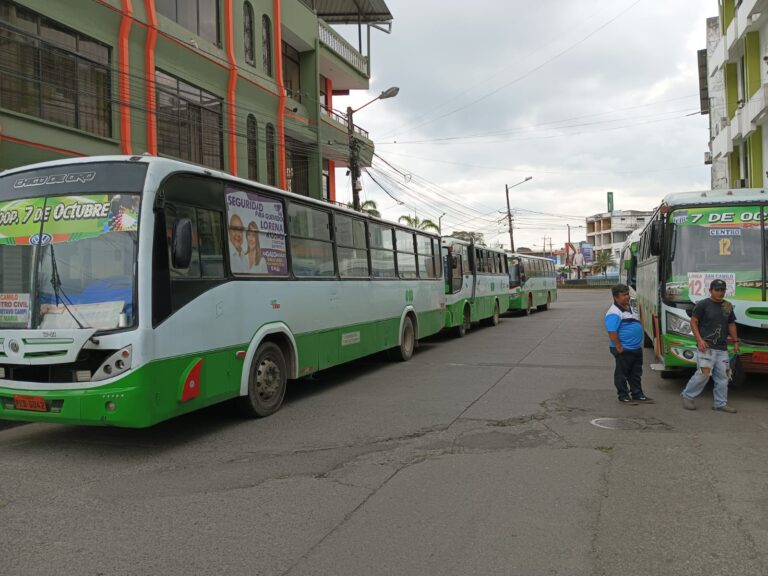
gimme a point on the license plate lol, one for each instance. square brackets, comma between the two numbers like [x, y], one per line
[34, 403]
[760, 357]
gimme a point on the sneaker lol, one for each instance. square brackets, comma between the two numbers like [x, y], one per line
[688, 404]
[725, 408]
[628, 401]
[644, 399]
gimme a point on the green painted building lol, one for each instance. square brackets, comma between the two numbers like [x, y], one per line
[244, 86]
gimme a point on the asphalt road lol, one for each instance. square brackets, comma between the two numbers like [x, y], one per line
[479, 456]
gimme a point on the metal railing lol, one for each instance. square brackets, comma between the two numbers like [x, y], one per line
[344, 49]
[341, 118]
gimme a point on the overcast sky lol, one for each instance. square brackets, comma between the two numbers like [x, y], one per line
[584, 96]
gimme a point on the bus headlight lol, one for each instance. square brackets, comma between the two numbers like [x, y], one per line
[115, 365]
[678, 325]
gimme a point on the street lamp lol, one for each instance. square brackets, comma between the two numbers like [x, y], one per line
[354, 144]
[509, 212]
[440, 224]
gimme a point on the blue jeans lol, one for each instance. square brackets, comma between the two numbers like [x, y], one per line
[719, 362]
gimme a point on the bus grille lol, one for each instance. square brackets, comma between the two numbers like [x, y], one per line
[752, 335]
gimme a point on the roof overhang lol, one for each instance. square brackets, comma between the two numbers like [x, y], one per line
[351, 11]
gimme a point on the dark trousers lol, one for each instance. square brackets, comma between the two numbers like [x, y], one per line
[628, 373]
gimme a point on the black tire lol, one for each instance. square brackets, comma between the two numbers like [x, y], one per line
[496, 318]
[671, 374]
[529, 306]
[463, 328]
[404, 352]
[267, 382]
[647, 341]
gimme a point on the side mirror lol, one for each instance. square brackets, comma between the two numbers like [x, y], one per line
[656, 231]
[181, 243]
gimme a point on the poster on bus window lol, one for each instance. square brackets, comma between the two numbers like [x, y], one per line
[256, 234]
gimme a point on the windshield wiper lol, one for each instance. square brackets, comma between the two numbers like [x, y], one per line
[58, 290]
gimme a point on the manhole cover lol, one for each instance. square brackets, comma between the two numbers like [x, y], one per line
[616, 423]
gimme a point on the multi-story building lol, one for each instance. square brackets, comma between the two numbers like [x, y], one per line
[609, 230]
[244, 86]
[736, 79]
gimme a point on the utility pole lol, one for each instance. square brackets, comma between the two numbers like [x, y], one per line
[354, 160]
[509, 212]
[354, 145]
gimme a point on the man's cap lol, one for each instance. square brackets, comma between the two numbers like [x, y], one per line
[717, 284]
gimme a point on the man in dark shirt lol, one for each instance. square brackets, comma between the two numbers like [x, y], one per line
[712, 322]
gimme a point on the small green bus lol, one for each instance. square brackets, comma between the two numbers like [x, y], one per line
[476, 280]
[532, 283]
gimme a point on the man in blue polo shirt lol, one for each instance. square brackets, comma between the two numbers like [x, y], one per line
[626, 345]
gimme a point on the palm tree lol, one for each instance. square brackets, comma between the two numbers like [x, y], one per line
[369, 207]
[415, 222]
[603, 261]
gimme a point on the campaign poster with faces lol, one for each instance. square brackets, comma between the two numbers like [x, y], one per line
[256, 234]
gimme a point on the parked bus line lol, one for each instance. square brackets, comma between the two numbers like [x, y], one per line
[136, 289]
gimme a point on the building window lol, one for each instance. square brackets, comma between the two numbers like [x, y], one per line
[248, 41]
[271, 157]
[266, 44]
[296, 166]
[252, 135]
[189, 121]
[292, 72]
[53, 72]
[199, 16]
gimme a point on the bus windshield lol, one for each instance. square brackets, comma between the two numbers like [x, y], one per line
[68, 261]
[724, 242]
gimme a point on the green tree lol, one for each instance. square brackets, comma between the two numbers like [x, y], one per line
[603, 261]
[369, 207]
[416, 222]
[476, 237]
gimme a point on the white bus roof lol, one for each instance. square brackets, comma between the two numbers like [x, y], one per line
[171, 165]
[737, 195]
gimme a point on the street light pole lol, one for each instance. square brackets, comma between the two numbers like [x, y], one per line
[440, 224]
[354, 145]
[509, 212]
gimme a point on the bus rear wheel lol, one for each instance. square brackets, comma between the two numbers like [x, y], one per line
[404, 352]
[266, 383]
[466, 324]
[544, 307]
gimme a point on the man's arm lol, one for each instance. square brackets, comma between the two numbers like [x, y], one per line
[700, 342]
[614, 336]
[734, 336]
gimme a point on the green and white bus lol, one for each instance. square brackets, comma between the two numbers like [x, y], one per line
[628, 264]
[532, 283]
[475, 284]
[693, 238]
[136, 289]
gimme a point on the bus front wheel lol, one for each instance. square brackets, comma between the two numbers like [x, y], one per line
[529, 306]
[495, 319]
[267, 382]
[466, 324]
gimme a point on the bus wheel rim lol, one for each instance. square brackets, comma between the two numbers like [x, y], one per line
[268, 379]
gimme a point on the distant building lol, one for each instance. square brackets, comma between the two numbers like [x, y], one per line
[609, 230]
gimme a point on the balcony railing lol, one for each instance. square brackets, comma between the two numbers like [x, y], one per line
[344, 49]
[341, 118]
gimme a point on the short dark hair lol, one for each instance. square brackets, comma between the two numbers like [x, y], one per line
[619, 289]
